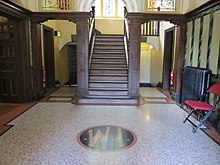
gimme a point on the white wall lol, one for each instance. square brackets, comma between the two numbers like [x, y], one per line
[61, 54]
[145, 59]
[152, 54]
[110, 26]
[157, 54]
[189, 5]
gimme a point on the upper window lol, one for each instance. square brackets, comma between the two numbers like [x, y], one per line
[56, 4]
[162, 5]
[109, 8]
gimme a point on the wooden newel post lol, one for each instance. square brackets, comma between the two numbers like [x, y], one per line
[179, 61]
[82, 27]
[37, 60]
[134, 57]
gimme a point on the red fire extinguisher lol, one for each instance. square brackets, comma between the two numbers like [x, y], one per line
[171, 78]
[44, 75]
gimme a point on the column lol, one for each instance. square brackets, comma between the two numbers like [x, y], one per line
[37, 74]
[134, 57]
[82, 28]
[179, 61]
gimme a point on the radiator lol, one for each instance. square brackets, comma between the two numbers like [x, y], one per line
[195, 82]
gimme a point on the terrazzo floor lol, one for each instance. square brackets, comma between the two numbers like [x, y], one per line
[46, 134]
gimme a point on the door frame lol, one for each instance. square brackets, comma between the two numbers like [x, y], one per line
[48, 57]
[169, 37]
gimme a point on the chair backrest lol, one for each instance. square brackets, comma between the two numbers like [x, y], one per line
[215, 88]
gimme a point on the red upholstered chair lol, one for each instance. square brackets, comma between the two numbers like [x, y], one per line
[203, 107]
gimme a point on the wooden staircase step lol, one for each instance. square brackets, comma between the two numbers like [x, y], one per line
[112, 81]
[109, 43]
[109, 55]
[108, 70]
[109, 37]
[108, 91]
[101, 93]
[121, 57]
[108, 97]
[98, 100]
[122, 60]
[104, 47]
[108, 85]
[109, 63]
[110, 49]
[103, 53]
[108, 66]
[108, 77]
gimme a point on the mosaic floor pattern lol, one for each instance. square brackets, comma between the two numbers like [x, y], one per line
[47, 134]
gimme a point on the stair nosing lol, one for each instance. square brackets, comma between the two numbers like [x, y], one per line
[116, 63]
[104, 81]
[117, 74]
[109, 68]
[108, 97]
[109, 53]
[108, 89]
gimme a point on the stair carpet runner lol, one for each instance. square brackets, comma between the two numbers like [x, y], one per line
[108, 73]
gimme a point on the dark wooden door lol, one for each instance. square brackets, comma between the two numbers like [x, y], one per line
[49, 62]
[72, 63]
[168, 57]
[8, 62]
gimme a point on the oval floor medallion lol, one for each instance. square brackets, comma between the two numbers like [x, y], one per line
[106, 138]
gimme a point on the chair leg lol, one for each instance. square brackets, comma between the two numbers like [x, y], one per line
[203, 120]
[199, 125]
[189, 114]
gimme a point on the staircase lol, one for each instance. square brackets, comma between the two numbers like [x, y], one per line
[108, 73]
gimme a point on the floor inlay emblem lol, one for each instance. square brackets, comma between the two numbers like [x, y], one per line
[106, 138]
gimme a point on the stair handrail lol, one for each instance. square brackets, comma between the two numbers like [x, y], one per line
[91, 34]
[126, 29]
[91, 51]
[126, 33]
[92, 24]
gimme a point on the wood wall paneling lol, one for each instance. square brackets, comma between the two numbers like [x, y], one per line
[200, 41]
[210, 38]
[213, 60]
[206, 53]
[192, 43]
[9, 55]
[196, 43]
[188, 44]
[204, 39]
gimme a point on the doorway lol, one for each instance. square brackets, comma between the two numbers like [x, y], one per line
[9, 79]
[48, 57]
[168, 58]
